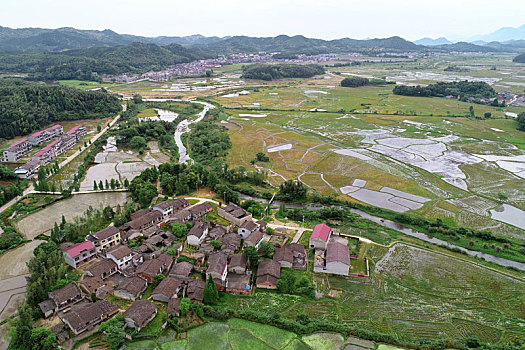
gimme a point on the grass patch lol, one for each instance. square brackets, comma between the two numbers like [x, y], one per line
[273, 336]
[241, 339]
[321, 341]
[210, 336]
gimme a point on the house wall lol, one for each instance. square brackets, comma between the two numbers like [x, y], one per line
[337, 268]
[124, 294]
[238, 270]
[230, 218]
[160, 297]
[266, 285]
[244, 233]
[285, 263]
[317, 243]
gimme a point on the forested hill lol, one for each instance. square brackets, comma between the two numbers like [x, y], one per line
[519, 58]
[27, 107]
[39, 40]
[279, 71]
[300, 44]
[79, 64]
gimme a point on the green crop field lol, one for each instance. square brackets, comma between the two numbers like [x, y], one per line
[240, 334]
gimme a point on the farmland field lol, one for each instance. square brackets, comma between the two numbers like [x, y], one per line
[240, 334]
[414, 292]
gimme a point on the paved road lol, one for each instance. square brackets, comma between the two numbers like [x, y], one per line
[30, 189]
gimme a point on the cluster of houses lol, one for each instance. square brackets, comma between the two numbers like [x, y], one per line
[199, 67]
[47, 154]
[124, 261]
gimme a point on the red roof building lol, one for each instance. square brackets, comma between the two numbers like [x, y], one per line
[80, 254]
[320, 236]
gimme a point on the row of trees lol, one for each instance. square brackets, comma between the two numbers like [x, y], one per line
[358, 81]
[27, 107]
[463, 89]
[280, 71]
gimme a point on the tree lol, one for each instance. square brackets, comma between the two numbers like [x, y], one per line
[113, 331]
[261, 157]
[43, 339]
[286, 284]
[95, 187]
[126, 183]
[21, 328]
[157, 279]
[138, 143]
[216, 244]
[252, 256]
[210, 295]
[107, 185]
[521, 121]
[293, 190]
[112, 184]
[305, 287]
[100, 185]
[93, 297]
[487, 115]
[471, 112]
[266, 249]
[184, 306]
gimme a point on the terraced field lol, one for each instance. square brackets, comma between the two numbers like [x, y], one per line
[241, 334]
[415, 292]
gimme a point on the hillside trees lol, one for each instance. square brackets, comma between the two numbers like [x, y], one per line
[279, 71]
[29, 107]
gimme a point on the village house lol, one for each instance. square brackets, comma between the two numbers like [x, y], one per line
[153, 267]
[320, 236]
[337, 258]
[247, 228]
[254, 240]
[195, 290]
[197, 211]
[167, 289]
[78, 132]
[174, 307]
[234, 214]
[80, 254]
[262, 225]
[140, 314]
[140, 213]
[46, 135]
[105, 238]
[16, 151]
[103, 269]
[218, 266]
[86, 317]
[93, 285]
[131, 288]
[66, 296]
[238, 263]
[181, 216]
[169, 207]
[217, 231]
[197, 233]
[268, 273]
[291, 255]
[139, 226]
[230, 243]
[121, 255]
[238, 284]
[28, 170]
[182, 270]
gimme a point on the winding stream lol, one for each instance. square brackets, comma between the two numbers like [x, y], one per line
[404, 229]
[183, 126]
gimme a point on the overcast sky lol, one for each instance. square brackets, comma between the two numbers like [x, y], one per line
[327, 19]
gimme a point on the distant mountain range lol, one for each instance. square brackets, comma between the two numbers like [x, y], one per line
[33, 40]
[432, 42]
[501, 35]
[39, 40]
[505, 39]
